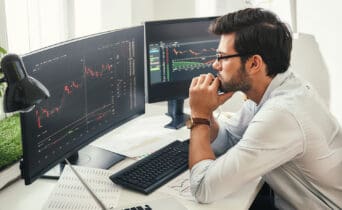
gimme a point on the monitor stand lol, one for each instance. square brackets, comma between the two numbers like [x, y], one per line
[175, 111]
[89, 156]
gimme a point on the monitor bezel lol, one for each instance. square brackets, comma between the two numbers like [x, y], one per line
[167, 91]
[26, 171]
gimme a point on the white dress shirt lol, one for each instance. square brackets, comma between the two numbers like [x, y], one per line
[290, 139]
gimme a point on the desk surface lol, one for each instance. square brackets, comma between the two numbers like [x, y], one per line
[18, 196]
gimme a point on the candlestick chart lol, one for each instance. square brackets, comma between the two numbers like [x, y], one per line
[88, 92]
[177, 61]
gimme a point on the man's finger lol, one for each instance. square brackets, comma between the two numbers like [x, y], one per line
[201, 78]
[194, 82]
[216, 83]
[209, 79]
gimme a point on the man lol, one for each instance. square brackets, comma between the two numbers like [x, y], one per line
[283, 132]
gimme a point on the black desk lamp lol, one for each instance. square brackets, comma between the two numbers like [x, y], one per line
[23, 92]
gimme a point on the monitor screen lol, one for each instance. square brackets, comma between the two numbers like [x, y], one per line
[96, 84]
[176, 51]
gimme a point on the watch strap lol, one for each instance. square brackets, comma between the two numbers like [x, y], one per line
[193, 121]
[198, 121]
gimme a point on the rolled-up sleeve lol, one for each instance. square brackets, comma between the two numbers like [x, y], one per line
[224, 140]
[197, 174]
[262, 148]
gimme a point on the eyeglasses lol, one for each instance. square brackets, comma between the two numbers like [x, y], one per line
[220, 57]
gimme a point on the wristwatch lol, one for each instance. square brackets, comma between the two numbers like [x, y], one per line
[193, 121]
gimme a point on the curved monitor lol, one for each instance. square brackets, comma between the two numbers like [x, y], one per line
[176, 51]
[96, 84]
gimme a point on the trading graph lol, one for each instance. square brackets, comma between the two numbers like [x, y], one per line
[176, 61]
[44, 113]
[100, 84]
[190, 56]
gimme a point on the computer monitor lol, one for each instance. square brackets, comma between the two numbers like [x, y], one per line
[176, 51]
[96, 84]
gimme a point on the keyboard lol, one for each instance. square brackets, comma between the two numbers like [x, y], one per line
[164, 203]
[151, 172]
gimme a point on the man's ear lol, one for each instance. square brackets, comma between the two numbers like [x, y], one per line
[254, 64]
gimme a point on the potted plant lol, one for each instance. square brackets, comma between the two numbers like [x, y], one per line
[10, 140]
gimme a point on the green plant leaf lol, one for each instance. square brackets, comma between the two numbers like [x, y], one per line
[10, 140]
[2, 51]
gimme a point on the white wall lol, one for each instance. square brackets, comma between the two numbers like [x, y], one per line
[34, 24]
[45, 23]
[87, 17]
[16, 27]
[142, 11]
[166, 9]
[3, 25]
[120, 14]
[217, 7]
[115, 14]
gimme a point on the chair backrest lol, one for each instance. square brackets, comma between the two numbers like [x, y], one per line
[308, 62]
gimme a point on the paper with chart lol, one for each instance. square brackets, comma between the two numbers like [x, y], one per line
[179, 186]
[69, 192]
[141, 137]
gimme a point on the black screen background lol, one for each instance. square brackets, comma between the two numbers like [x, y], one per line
[175, 31]
[96, 84]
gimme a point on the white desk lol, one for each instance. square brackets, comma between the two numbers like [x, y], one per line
[18, 196]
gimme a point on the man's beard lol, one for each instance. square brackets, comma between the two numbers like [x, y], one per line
[240, 82]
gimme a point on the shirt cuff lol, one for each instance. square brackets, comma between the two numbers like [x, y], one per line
[197, 173]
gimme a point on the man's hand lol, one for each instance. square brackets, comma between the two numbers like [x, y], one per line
[204, 97]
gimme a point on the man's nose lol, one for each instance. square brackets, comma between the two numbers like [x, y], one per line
[216, 65]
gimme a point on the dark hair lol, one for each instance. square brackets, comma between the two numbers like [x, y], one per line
[258, 31]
